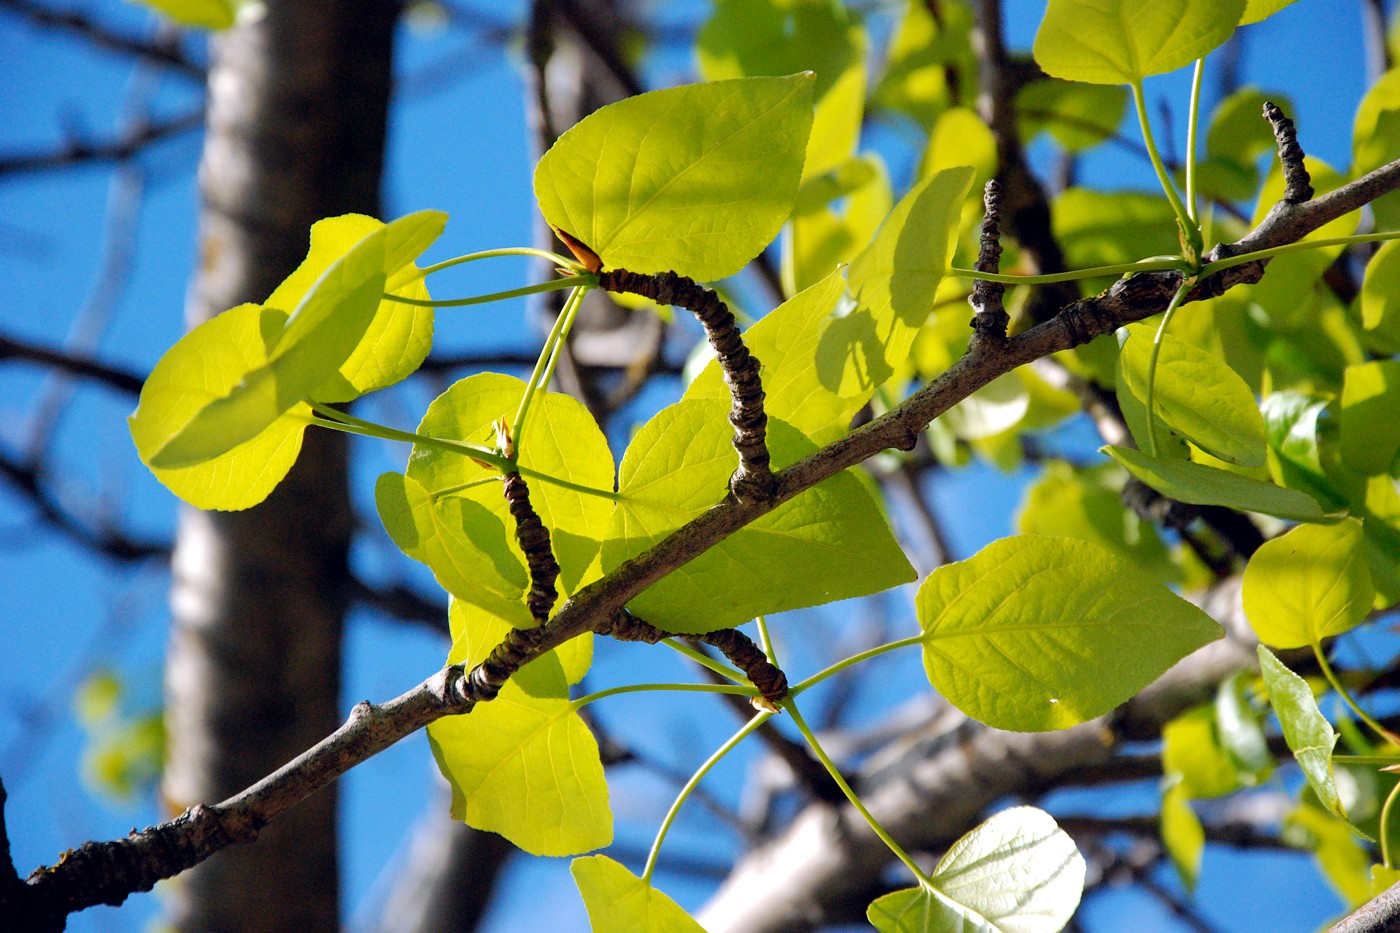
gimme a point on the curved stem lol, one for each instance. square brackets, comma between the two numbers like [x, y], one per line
[565, 264]
[544, 366]
[1228, 262]
[583, 701]
[1173, 264]
[690, 786]
[1384, 828]
[851, 795]
[1148, 402]
[340, 421]
[1192, 121]
[704, 660]
[1187, 224]
[553, 285]
[866, 655]
[1380, 730]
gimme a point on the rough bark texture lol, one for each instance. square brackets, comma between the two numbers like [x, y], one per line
[297, 113]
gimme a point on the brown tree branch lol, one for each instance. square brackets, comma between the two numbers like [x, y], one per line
[985, 766]
[119, 149]
[164, 51]
[119, 380]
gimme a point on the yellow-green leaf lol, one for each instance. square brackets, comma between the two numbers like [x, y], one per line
[1308, 733]
[1182, 835]
[620, 902]
[1198, 484]
[695, 179]
[201, 14]
[1380, 297]
[1309, 584]
[1038, 633]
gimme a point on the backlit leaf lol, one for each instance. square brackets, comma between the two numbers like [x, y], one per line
[695, 179]
[1380, 297]
[1308, 733]
[399, 336]
[1197, 484]
[1309, 584]
[1018, 872]
[1193, 755]
[1077, 116]
[203, 366]
[679, 465]
[926, 56]
[1256, 10]
[1036, 633]
[620, 902]
[201, 14]
[1196, 394]
[1124, 41]
[525, 764]
[1182, 835]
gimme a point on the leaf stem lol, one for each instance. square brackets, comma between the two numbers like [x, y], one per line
[766, 641]
[553, 285]
[1228, 262]
[544, 366]
[1152, 363]
[1171, 264]
[337, 420]
[1384, 733]
[1189, 231]
[583, 701]
[691, 784]
[567, 265]
[866, 655]
[1384, 828]
[851, 795]
[1192, 122]
[704, 660]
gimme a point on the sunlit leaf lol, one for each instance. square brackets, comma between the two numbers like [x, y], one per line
[562, 440]
[1077, 116]
[678, 466]
[960, 138]
[1038, 633]
[695, 179]
[1309, 735]
[1344, 861]
[1308, 585]
[1193, 755]
[1018, 872]
[1376, 140]
[620, 902]
[203, 366]
[1197, 484]
[399, 336]
[930, 62]
[1240, 728]
[1100, 228]
[200, 14]
[1255, 10]
[1196, 394]
[821, 238]
[1380, 297]
[1182, 835]
[1124, 41]
[525, 764]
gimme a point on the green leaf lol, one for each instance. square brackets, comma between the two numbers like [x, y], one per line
[1196, 394]
[562, 440]
[1077, 116]
[695, 179]
[1376, 141]
[1309, 584]
[1193, 755]
[1305, 729]
[785, 341]
[1345, 863]
[748, 38]
[205, 365]
[1124, 41]
[960, 138]
[1100, 228]
[324, 330]
[201, 14]
[1037, 633]
[679, 465]
[1380, 297]
[1235, 139]
[1202, 485]
[620, 902]
[1018, 872]
[465, 543]
[1182, 835]
[821, 238]
[1085, 504]
[399, 336]
[1255, 10]
[921, 56]
[525, 764]
[894, 281]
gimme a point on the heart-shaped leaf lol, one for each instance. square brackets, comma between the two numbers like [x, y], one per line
[1309, 584]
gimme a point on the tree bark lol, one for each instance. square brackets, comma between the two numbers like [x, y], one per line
[297, 113]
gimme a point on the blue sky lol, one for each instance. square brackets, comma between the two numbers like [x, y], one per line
[459, 145]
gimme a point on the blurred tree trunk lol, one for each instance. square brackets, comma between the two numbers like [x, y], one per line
[297, 112]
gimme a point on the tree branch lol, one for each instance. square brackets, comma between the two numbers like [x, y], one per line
[118, 380]
[164, 51]
[81, 152]
[951, 790]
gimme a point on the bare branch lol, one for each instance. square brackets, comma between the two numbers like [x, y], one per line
[81, 152]
[118, 380]
[165, 50]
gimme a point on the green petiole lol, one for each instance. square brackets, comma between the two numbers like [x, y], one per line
[1380, 730]
[337, 420]
[855, 800]
[1186, 286]
[583, 701]
[1190, 232]
[1221, 265]
[854, 659]
[553, 285]
[704, 660]
[564, 263]
[544, 366]
[1193, 119]
[691, 784]
[1174, 264]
